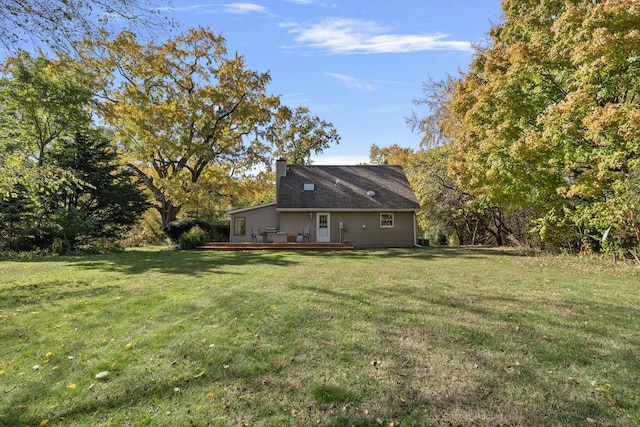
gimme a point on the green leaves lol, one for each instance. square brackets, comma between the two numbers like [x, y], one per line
[63, 181]
[182, 109]
[296, 135]
[549, 113]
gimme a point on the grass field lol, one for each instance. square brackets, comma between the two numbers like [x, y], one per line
[437, 336]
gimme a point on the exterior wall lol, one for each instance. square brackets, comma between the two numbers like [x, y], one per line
[261, 217]
[293, 223]
[361, 229]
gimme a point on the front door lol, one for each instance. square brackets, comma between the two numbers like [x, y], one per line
[322, 229]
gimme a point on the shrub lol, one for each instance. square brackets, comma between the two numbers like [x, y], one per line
[436, 237]
[177, 228]
[220, 232]
[139, 236]
[101, 246]
[193, 238]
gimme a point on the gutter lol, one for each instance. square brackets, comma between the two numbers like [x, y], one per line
[415, 230]
[331, 210]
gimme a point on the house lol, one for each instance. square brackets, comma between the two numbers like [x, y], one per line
[366, 206]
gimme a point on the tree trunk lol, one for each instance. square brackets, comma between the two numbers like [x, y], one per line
[460, 235]
[168, 212]
[635, 226]
[502, 229]
[496, 235]
[473, 235]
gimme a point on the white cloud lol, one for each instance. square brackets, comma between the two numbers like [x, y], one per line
[339, 159]
[244, 8]
[294, 99]
[206, 8]
[349, 36]
[350, 82]
[188, 8]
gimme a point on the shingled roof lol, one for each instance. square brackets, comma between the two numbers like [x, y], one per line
[346, 188]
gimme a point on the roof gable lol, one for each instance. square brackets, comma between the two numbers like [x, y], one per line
[346, 187]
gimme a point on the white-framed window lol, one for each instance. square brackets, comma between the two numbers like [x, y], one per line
[239, 226]
[386, 220]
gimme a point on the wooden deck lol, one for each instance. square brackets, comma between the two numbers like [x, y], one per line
[214, 246]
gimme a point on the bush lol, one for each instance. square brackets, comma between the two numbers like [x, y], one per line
[436, 237]
[193, 238]
[139, 236]
[220, 232]
[101, 246]
[61, 246]
[177, 228]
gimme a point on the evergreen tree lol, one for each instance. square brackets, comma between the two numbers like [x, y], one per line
[101, 199]
[17, 216]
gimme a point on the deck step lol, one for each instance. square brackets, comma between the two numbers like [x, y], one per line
[226, 246]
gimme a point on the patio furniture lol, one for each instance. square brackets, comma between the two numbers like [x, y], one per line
[256, 236]
[305, 235]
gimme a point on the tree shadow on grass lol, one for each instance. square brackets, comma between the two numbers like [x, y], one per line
[188, 263]
[537, 347]
[94, 410]
[259, 352]
[49, 291]
[136, 261]
[533, 359]
[426, 253]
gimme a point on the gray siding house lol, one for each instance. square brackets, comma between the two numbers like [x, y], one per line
[365, 206]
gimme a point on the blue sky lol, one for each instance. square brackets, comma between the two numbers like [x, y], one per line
[358, 64]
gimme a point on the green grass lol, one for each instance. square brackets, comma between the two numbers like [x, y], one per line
[364, 338]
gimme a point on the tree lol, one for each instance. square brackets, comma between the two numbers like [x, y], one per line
[17, 216]
[58, 24]
[392, 155]
[440, 125]
[448, 205]
[60, 177]
[550, 115]
[296, 135]
[181, 110]
[102, 195]
[43, 101]
[444, 205]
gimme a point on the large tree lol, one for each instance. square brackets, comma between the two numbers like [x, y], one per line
[549, 115]
[42, 101]
[60, 177]
[60, 23]
[392, 155]
[444, 205]
[182, 110]
[191, 120]
[297, 135]
[101, 196]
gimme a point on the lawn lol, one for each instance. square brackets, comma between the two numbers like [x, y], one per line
[437, 336]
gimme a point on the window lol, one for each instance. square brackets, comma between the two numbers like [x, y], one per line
[323, 221]
[239, 226]
[386, 220]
